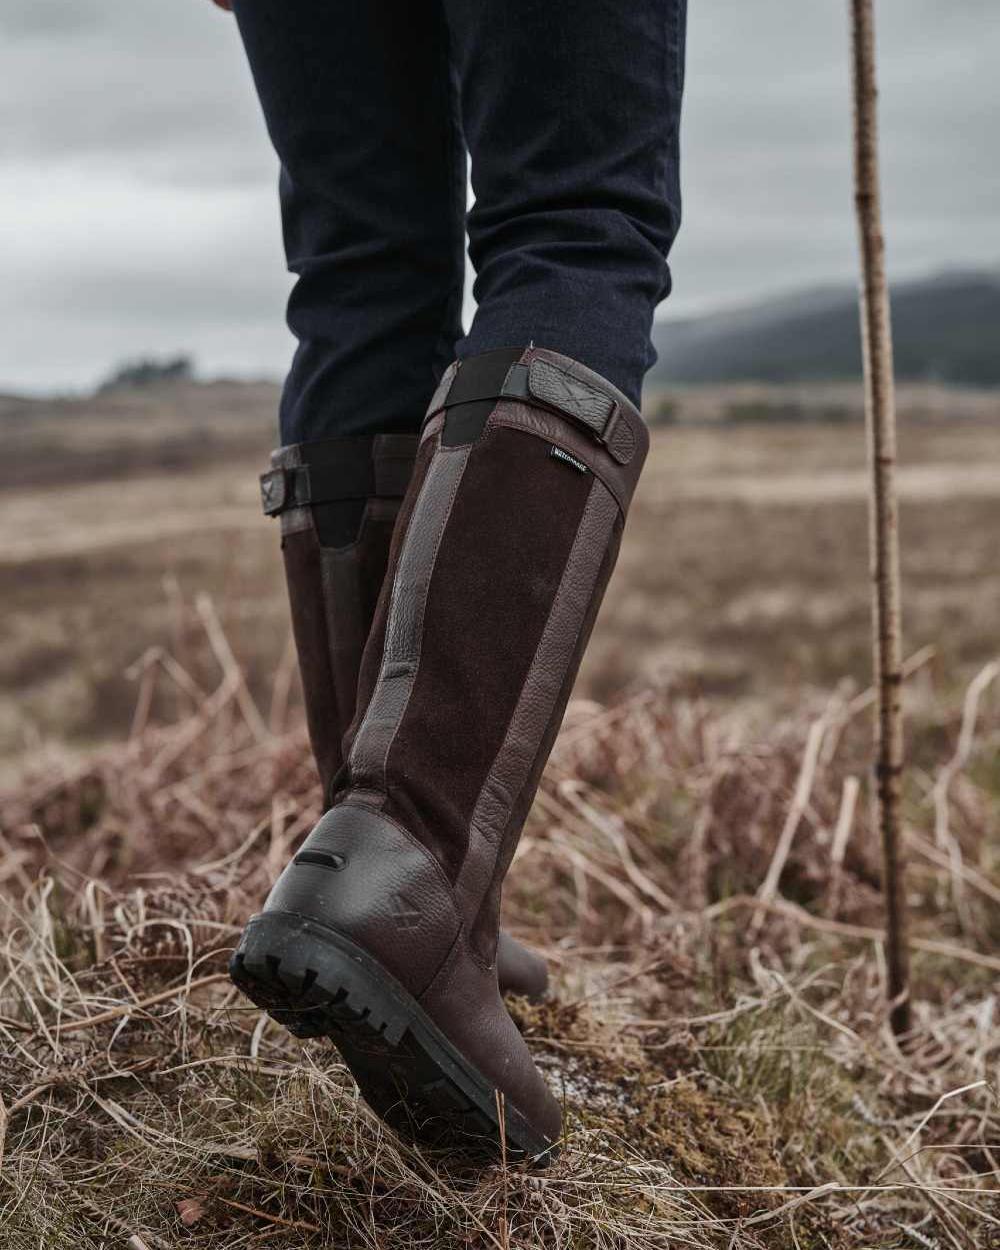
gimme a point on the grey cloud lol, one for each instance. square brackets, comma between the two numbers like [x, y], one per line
[160, 89]
[45, 18]
[143, 209]
[767, 144]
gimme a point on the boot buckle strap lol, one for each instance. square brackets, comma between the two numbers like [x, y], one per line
[590, 405]
[297, 486]
[547, 384]
[274, 491]
[550, 386]
[558, 388]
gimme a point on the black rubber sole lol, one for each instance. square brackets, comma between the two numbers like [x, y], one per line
[317, 983]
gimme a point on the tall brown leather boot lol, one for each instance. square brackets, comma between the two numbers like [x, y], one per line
[338, 501]
[382, 932]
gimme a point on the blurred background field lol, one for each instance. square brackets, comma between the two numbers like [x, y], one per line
[743, 574]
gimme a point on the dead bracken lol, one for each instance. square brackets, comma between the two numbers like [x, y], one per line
[708, 898]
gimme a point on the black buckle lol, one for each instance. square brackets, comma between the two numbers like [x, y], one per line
[274, 491]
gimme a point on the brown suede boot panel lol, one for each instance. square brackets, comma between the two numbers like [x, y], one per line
[483, 930]
[538, 711]
[498, 566]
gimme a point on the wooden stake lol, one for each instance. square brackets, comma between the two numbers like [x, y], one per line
[880, 415]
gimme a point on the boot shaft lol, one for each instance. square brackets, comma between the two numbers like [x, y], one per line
[338, 501]
[509, 535]
[382, 931]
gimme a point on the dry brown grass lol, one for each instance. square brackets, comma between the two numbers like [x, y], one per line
[722, 1050]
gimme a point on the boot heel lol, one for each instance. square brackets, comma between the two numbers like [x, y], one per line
[317, 983]
[314, 982]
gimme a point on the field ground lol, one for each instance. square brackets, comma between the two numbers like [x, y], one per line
[700, 868]
[743, 572]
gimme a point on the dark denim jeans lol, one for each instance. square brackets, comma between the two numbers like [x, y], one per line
[569, 110]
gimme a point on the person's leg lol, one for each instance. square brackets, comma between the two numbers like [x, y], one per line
[382, 932]
[571, 113]
[361, 107]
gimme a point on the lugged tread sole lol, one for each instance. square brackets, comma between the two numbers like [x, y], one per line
[316, 983]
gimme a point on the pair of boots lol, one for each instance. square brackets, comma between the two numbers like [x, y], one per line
[383, 932]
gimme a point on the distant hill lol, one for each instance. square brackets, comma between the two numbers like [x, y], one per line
[946, 329]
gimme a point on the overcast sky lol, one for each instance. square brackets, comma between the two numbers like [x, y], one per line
[138, 209]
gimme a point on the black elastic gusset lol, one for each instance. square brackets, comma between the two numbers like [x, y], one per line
[338, 520]
[465, 418]
[338, 524]
[352, 456]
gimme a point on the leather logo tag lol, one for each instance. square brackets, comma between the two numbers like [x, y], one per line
[557, 453]
[405, 912]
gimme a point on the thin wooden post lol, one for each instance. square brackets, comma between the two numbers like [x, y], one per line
[880, 416]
